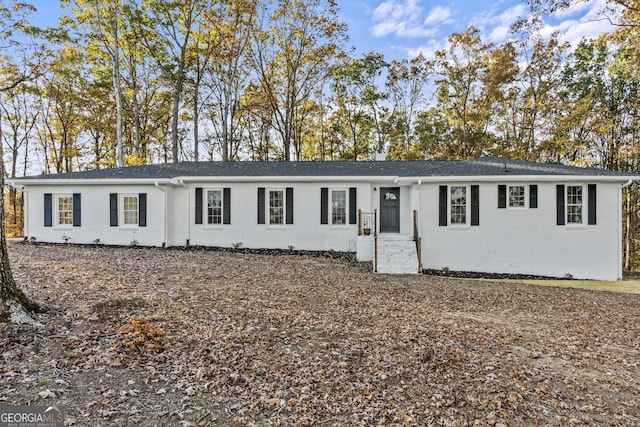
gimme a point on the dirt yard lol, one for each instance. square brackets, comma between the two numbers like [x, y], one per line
[152, 337]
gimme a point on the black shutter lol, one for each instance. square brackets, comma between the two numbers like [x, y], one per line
[77, 210]
[48, 210]
[113, 209]
[353, 213]
[443, 206]
[502, 196]
[533, 196]
[592, 204]
[289, 205]
[198, 205]
[475, 205]
[261, 205]
[560, 204]
[142, 210]
[226, 206]
[324, 205]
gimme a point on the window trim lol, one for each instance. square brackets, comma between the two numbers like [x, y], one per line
[205, 208]
[121, 210]
[525, 197]
[582, 206]
[467, 206]
[267, 207]
[56, 211]
[345, 224]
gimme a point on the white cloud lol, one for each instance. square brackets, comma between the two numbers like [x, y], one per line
[496, 26]
[404, 18]
[427, 50]
[412, 27]
[575, 9]
[438, 15]
[587, 25]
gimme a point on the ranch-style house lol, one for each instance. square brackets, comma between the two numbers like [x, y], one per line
[486, 215]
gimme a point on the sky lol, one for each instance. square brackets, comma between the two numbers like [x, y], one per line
[404, 28]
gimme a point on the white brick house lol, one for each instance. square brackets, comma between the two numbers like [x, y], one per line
[484, 215]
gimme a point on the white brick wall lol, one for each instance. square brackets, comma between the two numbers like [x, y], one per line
[525, 241]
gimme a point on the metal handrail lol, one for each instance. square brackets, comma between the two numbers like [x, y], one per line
[367, 222]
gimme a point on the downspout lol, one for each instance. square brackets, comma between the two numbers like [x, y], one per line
[419, 225]
[628, 183]
[164, 226]
[182, 184]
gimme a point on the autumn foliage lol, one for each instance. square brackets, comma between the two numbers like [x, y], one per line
[203, 338]
[14, 215]
[139, 336]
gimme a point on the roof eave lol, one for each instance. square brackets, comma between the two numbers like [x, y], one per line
[87, 181]
[519, 178]
[335, 178]
[289, 178]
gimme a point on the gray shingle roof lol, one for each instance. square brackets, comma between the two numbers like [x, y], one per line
[494, 166]
[483, 166]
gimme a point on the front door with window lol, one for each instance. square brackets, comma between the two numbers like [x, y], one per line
[390, 210]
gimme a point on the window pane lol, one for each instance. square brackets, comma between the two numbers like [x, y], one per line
[65, 210]
[338, 207]
[516, 196]
[458, 205]
[276, 207]
[214, 207]
[130, 210]
[574, 204]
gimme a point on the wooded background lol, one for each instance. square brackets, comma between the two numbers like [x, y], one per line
[133, 82]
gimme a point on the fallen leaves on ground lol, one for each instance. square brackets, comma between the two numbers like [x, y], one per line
[203, 338]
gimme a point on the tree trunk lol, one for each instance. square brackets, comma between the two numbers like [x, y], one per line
[14, 304]
[176, 96]
[196, 119]
[118, 96]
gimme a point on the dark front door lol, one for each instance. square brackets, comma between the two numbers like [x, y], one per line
[389, 210]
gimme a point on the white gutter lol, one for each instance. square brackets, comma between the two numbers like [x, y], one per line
[181, 181]
[88, 181]
[518, 178]
[164, 201]
[288, 178]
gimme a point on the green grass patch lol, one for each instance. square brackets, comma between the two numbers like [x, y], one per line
[624, 286]
[45, 381]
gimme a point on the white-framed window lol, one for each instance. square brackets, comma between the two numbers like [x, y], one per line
[64, 210]
[129, 212]
[574, 204]
[276, 207]
[517, 196]
[458, 204]
[339, 207]
[214, 206]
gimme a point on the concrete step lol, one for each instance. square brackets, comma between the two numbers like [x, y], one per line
[397, 254]
[395, 269]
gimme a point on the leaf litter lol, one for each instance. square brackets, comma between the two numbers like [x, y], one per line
[169, 337]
